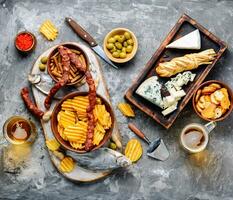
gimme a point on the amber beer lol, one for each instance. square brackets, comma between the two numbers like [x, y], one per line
[195, 137]
[18, 130]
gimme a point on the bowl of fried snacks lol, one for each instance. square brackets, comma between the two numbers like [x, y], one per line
[69, 122]
[54, 64]
[213, 100]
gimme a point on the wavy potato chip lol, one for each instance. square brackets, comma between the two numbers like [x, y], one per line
[133, 150]
[98, 137]
[48, 30]
[67, 165]
[77, 145]
[52, 144]
[126, 109]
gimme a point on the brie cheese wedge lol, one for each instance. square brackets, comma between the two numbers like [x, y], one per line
[150, 89]
[189, 41]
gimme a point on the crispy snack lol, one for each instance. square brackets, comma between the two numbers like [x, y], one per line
[208, 90]
[213, 101]
[67, 165]
[209, 111]
[61, 132]
[126, 109]
[72, 121]
[198, 95]
[66, 118]
[133, 150]
[102, 116]
[49, 30]
[216, 85]
[52, 144]
[76, 133]
[77, 145]
[98, 137]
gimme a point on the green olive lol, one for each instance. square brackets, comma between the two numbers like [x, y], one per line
[122, 55]
[130, 41]
[118, 50]
[129, 49]
[42, 67]
[115, 54]
[116, 37]
[121, 39]
[110, 46]
[44, 60]
[125, 44]
[123, 49]
[127, 35]
[113, 49]
[111, 40]
[112, 145]
[118, 45]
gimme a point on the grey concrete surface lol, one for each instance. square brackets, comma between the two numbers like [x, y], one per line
[206, 177]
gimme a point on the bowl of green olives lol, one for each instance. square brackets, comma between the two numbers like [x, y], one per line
[120, 45]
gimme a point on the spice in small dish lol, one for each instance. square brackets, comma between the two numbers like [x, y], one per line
[25, 42]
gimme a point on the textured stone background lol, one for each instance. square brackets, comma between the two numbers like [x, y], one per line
[208, 176]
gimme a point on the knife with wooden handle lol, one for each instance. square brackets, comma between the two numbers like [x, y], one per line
[89, 39]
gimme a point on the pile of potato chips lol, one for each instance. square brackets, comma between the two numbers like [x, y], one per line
[72, 121]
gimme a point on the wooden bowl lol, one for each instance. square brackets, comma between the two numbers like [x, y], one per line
[227, 113]
[129, 56]
[70, 46]
[54, 122]
[33, 46]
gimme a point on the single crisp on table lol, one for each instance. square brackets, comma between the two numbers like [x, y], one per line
[126, 109]
[49, 30]
[72, 121]
[212, 101]
[133, 150]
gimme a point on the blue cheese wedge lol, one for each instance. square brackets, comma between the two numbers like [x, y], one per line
[150, 89]
[189, 41]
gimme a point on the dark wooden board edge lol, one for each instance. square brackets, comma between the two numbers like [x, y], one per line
[146, 69]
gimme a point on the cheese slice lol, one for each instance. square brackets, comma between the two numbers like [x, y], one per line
[189, 41]
[150, 89]
[170, 109]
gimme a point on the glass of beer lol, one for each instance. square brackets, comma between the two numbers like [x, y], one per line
[195, 137]
[18, 130]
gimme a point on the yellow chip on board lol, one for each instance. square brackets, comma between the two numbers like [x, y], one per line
[67, 165]
[126, 109]
[49, 30]
[133, 150]
[52, 144]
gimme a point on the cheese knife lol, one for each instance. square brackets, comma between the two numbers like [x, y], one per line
[90, 40]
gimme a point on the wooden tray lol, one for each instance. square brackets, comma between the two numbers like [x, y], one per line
[79, 174]
[183, 26]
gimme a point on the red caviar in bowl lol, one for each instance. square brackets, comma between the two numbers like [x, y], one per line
[25, 41]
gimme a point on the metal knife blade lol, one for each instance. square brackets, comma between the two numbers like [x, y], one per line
[99, 51]
[90, 40]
